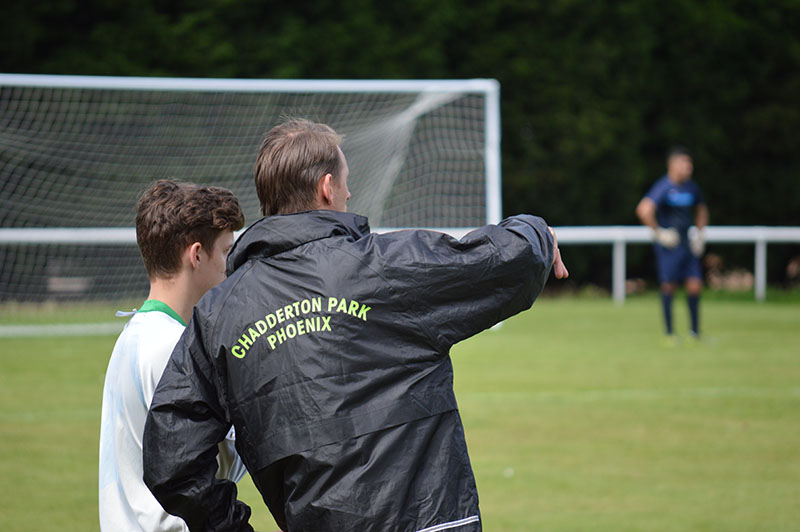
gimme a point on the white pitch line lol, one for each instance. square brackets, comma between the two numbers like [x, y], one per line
[62, 329]
[632, 394]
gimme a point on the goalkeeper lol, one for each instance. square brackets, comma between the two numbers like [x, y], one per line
[670, 208]
[184, 232]
[327, 347]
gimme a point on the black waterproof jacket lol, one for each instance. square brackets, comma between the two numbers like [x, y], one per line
[327, 348]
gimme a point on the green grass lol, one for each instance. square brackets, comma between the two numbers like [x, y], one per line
[576, 419]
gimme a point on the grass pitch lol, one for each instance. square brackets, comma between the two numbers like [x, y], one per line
[576, 419]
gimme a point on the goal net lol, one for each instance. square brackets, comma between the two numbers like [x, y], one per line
[76, 151]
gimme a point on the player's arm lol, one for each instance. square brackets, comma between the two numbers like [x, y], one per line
[180, 443]
[646, 212]
[231, 465]
[701, 216]
[697, 235]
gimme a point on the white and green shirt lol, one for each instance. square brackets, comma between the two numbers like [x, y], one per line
[137, 362]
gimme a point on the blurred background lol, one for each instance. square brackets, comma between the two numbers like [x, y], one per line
[593, 92]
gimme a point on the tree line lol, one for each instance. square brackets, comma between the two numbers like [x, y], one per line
[593, 92]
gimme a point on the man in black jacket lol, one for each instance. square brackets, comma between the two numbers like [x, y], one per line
[327, 348]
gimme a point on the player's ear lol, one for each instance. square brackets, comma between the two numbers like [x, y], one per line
[192, 254]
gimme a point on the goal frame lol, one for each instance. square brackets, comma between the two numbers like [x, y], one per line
[490, 88]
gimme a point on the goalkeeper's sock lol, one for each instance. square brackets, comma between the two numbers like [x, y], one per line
[694, 303]
[666, 304]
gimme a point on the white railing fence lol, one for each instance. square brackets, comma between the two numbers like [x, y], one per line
[618, 236]
[622, 235]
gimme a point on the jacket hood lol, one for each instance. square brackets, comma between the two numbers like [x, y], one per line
[275, 234]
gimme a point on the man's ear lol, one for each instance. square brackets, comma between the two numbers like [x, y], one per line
[325, 190]
[192, 255]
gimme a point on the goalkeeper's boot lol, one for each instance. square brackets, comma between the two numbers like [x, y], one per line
[670, 341]
[693, 339]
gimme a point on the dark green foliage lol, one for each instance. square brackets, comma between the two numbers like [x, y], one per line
[593, 92]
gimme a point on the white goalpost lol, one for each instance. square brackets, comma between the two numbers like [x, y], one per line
[75, 152]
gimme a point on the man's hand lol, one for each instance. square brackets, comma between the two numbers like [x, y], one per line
[559, 269]
[697, 241]
[667, 237]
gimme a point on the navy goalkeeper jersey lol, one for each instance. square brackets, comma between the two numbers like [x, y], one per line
[675, 203]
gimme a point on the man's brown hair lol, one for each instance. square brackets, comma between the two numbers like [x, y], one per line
[170, 216]
[293, 157]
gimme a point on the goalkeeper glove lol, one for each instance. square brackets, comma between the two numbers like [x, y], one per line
[667, 237]
[697, 241]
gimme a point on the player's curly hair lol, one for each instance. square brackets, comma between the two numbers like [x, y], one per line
[171, 215]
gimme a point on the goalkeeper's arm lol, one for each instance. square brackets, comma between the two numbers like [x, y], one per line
[646, 211]
[697, 235]
[701, 216]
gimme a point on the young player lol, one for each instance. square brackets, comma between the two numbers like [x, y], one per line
[328, 348]
[184, 232]
[671, 206]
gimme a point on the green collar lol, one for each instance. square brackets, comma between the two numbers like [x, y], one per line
[154, 304]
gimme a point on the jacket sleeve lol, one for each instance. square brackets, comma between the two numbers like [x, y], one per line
[180, 443]
[461, 287]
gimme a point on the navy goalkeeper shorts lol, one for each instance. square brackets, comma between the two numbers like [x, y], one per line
[677, 264]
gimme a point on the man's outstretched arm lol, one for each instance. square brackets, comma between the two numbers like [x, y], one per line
[460, 287]
[559, 268]
[180, 443]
